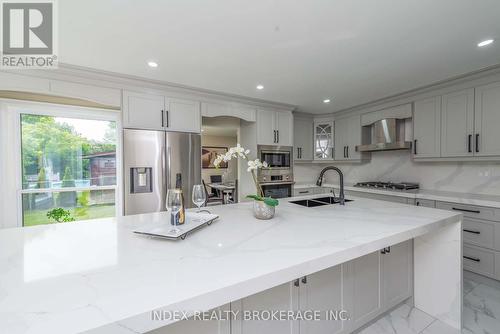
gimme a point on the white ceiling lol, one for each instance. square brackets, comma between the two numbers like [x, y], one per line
[302, 51]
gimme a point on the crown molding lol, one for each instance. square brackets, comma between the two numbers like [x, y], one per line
[71, 73]
[405, 97]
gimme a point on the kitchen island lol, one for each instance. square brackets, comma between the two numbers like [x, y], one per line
[99, 277]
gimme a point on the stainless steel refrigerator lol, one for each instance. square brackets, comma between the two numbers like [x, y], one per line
[155, 161]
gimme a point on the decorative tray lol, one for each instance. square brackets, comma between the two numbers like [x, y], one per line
[194, 221]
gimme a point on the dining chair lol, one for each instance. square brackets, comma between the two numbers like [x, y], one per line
[233, 197]
[212, 198]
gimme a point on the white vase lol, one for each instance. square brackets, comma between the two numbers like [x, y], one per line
[263, 211]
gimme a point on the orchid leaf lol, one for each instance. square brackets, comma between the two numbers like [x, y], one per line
[268, 200]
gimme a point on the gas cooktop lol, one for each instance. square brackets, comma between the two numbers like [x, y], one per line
[404, 186]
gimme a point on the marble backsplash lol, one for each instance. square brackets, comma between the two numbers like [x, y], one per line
[397, 166]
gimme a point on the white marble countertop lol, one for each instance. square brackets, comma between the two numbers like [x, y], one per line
[99, 277]
[436, 195]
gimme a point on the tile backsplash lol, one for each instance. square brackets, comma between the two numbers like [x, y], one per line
[397, 166]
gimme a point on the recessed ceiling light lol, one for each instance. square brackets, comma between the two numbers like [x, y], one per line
[326, 101]
[152, 64]
[485, 42]
[260, 87]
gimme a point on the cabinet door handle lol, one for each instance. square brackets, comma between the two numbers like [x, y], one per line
[348, 151]
[415, 147]
[162, 118]
[296, 282]
[471, 231]
[466, 210]
[475, 259]
[333, 153]
[469, 144]
[277, 136]
[344, 152]
[304, 280]
[417, 203]
[301, 152]
[477, 142]
[168, 116]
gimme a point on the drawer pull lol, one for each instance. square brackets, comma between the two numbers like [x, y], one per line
[471, 231]
[466, 210]
[472, 258]
[304, 192]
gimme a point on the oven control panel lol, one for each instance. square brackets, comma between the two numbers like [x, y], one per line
[270, 178]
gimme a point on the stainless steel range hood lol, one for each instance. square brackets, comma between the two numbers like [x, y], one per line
[386, 134]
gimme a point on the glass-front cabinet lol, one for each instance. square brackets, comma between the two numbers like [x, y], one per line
[323, 140]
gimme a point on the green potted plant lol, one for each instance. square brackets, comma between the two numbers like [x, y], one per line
[263, 207]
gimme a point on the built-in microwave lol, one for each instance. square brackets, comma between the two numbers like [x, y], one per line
[277, 179]
[277, 157]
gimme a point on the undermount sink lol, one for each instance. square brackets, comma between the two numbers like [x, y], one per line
[331, 200]
[313, 202]
[309, 203]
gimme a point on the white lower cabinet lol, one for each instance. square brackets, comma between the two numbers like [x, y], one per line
[322, 292]
[396, 273]
[365, 288]
[380, 197]
[192, 326]
[282, 297]
[362, 277]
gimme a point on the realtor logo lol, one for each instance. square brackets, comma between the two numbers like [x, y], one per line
[28, 34]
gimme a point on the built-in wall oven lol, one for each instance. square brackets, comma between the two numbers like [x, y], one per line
[277, 179]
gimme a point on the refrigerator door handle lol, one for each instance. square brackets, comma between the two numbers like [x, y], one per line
[164, 181]
[169, 166]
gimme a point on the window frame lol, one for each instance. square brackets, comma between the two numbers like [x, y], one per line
[17, 108]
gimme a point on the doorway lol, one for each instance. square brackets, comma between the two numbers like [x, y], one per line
[218, 135]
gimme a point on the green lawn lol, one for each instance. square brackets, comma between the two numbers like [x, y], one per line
[39, 217]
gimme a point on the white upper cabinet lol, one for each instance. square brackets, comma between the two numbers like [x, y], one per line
[274, 128]
[487, 120]
[182, 115]
[323, 139]
[427, 128]
[266, 127]
[284, 128]
[457, 124]
[303, 138]
[143, 111]
[347, 137]
[156, 112]
[341, 138]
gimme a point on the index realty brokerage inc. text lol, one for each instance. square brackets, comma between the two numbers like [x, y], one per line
[251, 315]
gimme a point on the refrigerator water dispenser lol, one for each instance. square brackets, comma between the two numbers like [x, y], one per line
[141, 180]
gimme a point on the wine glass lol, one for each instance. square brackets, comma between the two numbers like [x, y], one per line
[174, 205]
[199, 197]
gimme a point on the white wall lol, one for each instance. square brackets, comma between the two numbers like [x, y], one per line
[229, 174]
[396, 166]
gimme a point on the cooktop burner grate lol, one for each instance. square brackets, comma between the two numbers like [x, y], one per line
[388, 185]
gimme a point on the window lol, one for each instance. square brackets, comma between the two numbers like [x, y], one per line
[68, 168]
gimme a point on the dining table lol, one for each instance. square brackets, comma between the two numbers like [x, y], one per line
[225, 188]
